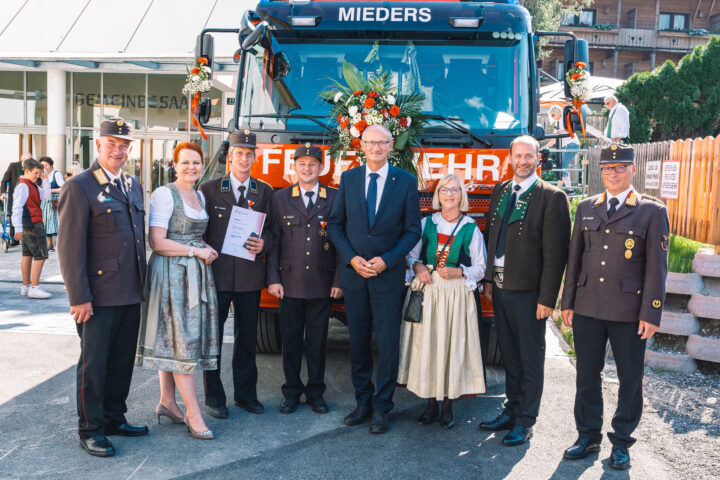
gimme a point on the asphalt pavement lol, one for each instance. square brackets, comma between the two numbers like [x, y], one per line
[39, 349]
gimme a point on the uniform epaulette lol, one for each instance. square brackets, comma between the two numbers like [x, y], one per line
[599, 200]
[262, 181]
[654, 199]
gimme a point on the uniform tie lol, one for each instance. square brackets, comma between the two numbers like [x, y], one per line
[310, 203]
[119, 185]
[241, 198]
[371, 200]
[613, 206]
[500, 249]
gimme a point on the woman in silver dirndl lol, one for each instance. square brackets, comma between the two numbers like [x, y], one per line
[179, 332]
[440, 357]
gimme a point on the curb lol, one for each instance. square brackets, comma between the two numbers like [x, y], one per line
[704, 306]
[677, 323]
[684, 283]
[703, 348]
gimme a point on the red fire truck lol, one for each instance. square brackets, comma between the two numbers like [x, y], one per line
[474, 62]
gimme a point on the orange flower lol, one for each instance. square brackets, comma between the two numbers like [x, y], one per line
[355, 143]
[361, 125]
[575, 76]
[344, 123]
[339, 118]
[202, 60]
[359, 92]
[373, 94]
[394, 111]
[369, 102]
[195, 70]
[580, 64]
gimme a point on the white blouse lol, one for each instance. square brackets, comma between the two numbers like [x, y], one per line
[473, 273]
[161, 208]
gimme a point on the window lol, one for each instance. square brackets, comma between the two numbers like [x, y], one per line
[673, 21]
[586, 17]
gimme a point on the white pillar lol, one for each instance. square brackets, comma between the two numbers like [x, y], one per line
[56, 105]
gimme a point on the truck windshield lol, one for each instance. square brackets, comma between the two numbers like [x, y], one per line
[482, 82]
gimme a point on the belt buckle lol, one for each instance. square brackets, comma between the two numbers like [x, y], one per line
[498, 277]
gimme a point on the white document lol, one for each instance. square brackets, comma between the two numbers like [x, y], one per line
[243, 222]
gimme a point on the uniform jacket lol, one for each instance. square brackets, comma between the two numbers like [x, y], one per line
[617, 267]
[536, 245]
[234, 274]
[394, 233]
[101, 239]
[303, 259]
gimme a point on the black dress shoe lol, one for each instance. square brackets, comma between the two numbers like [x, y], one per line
[252, 406]
[517, 436]
[358, 416]
[289, 405]
[502, 422]
[619, 458]
[429, 415]
[318, 405]
[98, 446]
[127, 430]
[581, 449]
[379, 422]
[218, 412]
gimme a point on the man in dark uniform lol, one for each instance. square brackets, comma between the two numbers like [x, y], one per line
[527, 239]
[237, 280]
[303, 273]
[614, 289]
[101, 247]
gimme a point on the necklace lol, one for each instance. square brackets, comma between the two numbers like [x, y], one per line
[454, 219]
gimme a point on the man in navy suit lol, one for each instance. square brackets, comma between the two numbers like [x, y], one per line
[374, 223]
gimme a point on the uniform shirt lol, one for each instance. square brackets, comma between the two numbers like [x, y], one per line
[20, 196]
[315, 191]
[235, 183]
[383, 173]
[112, 179]
[524, 185]
[620, 121]
[162, 205]
[473, 273]
[622, 196]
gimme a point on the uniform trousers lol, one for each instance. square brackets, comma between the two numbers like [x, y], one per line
[591, 336]
[107, 353]
[521, 337]
[246, 306]
[366, 311]
[308, 318]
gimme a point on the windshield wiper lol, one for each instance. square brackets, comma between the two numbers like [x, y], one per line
[452, 121]
[312, 118]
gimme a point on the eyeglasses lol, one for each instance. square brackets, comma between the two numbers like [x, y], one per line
[379, 143]
[450, 191]
[618, 169]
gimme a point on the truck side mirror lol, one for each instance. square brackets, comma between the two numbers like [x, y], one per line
[572, 56]
[205, 47]
[539, 132]
[253, 37]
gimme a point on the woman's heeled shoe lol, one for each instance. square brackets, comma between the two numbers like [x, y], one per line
[162, 411]
[447, 419]
[429, 415]
[206, 435]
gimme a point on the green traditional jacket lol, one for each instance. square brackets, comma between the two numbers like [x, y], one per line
[521, 205]
[459, 246]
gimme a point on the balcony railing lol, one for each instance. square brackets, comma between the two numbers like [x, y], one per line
[640, 38]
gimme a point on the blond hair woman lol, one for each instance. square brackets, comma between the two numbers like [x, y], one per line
[440, 358]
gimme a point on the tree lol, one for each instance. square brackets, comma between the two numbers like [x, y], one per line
[548, 14]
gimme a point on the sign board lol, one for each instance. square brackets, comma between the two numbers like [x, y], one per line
[652, 174]
[670, 180]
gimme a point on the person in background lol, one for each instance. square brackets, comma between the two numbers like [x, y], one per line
[13, 172]
[441, 358]
[618, 127]
[179, 332]
[569, 146]
[49, 207]
[28, 221]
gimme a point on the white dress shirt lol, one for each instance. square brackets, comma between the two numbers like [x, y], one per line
[315, 191]
[524, 185]
[383, 173]
[112, 179]
[473, 273]
[20, 196]
[622, 196]
[162, 205]
[235, 183]
[620, 126]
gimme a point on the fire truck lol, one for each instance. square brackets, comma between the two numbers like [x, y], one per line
[474, 63]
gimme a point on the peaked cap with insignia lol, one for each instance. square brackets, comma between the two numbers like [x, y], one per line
[116, 127]
[309, 150]
[243, 138]
[617, 153]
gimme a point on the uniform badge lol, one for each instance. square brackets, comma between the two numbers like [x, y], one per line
[225, 185]
[100, 176]
[600, 200]
[327, 246]
[296, 191]
[250, 203]
[322, 193]
[253, 187]
[613, 146]
[628, 254]
[629, 243]
[323, 224]
[247, 132]
[631, 199]
[656, 303]
[120, 123]
[665, 243]
[307, 145]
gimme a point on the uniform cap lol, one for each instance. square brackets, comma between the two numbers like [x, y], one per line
[309, 150]
[116, 127]
[243, 138]
[617, 153]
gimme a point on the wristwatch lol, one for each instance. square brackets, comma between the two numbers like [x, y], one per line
[191, 251]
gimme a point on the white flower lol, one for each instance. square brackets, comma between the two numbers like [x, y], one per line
[353, 111]
[337, 97]
[409, 120]
[390, 100]
[195, 78]
[354, 132]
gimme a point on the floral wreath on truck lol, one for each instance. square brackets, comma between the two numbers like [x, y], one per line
[578, 79]
[362, 103]
[197, 82]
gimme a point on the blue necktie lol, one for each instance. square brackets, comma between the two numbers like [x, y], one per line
[371, 199]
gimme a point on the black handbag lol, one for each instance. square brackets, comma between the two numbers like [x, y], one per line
[414, 307]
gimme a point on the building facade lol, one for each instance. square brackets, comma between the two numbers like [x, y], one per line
[630, 36]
